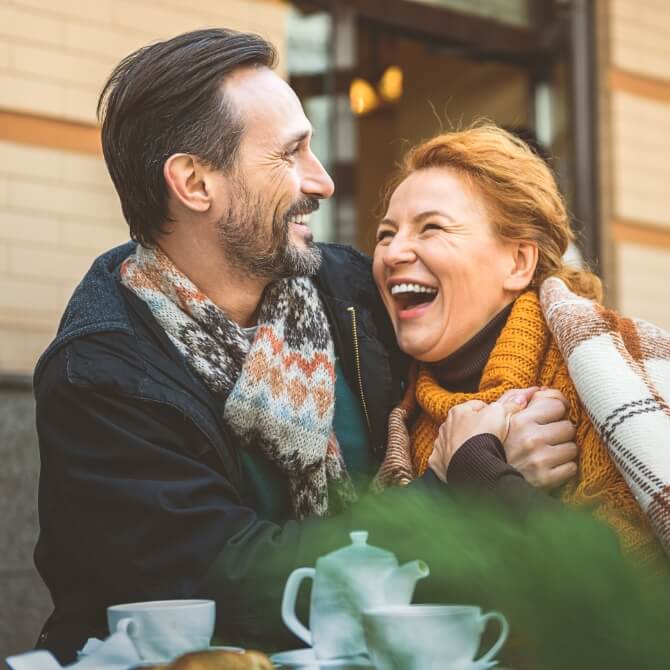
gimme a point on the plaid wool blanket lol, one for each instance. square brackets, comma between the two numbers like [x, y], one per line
[621, 370]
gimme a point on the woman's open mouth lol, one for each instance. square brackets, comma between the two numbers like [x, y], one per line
[412, 299]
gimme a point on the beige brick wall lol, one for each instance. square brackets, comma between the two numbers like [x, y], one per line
[58, 209]
[637, 114]
[55, 54]
[639, 32]
[57, 213]
[640, 148]
[644, 282]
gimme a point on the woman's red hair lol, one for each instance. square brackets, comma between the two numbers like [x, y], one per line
[520, 191]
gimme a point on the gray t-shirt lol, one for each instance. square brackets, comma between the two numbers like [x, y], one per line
[250, 332]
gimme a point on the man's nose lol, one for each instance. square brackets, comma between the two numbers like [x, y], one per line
[317, 182]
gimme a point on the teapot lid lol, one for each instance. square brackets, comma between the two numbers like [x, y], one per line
[360, 550]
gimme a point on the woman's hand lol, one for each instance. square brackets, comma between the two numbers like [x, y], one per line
[472, 418]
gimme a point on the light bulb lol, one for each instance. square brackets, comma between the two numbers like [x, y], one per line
[390, 85]
[362, 97]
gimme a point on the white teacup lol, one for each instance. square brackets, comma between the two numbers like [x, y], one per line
[429, 637]
[163, 629]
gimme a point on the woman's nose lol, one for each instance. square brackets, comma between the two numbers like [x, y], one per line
[399, 251]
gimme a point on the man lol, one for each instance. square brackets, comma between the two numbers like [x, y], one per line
[215, 393]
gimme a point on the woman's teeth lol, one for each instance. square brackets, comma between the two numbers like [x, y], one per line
[412, 288]
[408, 296]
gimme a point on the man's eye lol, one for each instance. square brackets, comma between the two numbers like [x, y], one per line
[293, 151]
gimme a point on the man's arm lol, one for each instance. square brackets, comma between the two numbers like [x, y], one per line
[132, 506]
[135, 505]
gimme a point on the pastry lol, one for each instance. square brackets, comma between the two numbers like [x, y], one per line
[218, 660]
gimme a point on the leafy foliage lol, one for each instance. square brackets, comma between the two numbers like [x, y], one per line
[573, 601]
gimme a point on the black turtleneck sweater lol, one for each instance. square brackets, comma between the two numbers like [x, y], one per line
[480, 462]
[461, 371]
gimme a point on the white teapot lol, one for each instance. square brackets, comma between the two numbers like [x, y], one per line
[346, 582]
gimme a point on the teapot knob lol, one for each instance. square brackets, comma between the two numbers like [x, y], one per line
[359, 536]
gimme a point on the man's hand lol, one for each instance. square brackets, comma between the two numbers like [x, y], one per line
[540, 443]
[472, 418]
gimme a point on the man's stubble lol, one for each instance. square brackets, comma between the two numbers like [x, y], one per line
[251, 248]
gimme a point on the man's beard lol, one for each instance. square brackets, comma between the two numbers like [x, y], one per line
[248, 247]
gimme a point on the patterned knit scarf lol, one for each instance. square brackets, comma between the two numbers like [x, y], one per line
[526, 355]
[278, 392]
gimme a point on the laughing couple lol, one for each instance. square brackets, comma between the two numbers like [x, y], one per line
[222, 389]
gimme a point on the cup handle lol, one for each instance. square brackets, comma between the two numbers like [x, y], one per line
[502, 638]
[288, 603]
[127, 625]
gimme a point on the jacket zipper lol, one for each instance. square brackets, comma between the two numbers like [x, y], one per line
[357, 360]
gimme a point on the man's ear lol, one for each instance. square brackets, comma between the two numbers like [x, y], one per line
[524, 262]
[187, 179]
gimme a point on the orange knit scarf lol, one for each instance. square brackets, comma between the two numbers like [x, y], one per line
[525, 355]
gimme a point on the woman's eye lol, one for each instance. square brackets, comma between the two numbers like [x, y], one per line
[431, 226]
[384, 235]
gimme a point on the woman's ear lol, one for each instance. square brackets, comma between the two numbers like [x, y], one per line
[522, 269]
[187, 180]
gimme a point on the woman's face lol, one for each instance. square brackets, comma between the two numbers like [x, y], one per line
[438, 265]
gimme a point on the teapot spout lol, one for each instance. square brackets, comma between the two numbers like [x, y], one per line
[401, 582]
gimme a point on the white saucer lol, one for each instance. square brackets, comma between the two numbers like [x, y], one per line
[306, 660]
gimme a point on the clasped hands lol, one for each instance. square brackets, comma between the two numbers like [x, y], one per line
[530, 423]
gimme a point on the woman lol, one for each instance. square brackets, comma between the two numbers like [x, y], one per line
[474, 225]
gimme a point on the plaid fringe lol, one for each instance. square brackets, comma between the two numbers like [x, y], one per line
[621, 370]
[397, 468]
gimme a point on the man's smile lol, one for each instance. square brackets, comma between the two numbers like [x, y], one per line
[300, 221]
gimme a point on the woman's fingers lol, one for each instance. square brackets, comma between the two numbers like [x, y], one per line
[527, 392]
[466, 420]
[509, 407]
[476, 405]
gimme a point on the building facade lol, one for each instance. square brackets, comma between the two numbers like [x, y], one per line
[594, 85]
[58, 208]
[58, 211]
[634, 123]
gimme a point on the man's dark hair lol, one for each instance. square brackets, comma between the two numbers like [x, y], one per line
[167, 98]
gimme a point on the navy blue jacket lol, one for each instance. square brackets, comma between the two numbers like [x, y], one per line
[142, 494]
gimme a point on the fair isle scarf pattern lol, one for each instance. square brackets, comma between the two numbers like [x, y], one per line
[278, 391]
[621, 370]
